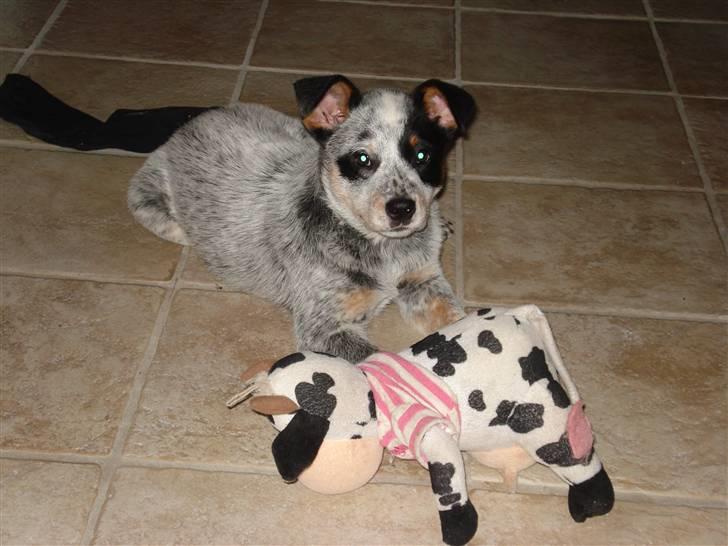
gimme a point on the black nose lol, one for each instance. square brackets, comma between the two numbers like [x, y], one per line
[400, 209]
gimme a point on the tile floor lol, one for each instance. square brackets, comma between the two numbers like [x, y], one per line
[594, 183]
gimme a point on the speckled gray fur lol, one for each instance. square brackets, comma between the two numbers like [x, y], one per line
[263, 204]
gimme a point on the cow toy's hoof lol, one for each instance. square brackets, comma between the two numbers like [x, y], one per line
[594, 497]
[459, 524]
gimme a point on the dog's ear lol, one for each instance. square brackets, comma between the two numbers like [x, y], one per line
[450, 106]
[325, 102]
[297, 445]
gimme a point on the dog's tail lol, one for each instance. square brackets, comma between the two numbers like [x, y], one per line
[25, 103]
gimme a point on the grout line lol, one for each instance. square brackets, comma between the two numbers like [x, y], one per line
[549, 87]
[312, 72]
[692, 141]
[132, 403]
[579, 183]
[705, 97]
[388, 4]
[563, 14]
[84, 277]
[44, 146]
[129, 59]
[692, 21]
[526, 485]
[606, 311]
[235, 97]
[51, 457]
[55, 14]
[4, 49]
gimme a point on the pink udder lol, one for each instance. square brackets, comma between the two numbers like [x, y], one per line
[579, 431]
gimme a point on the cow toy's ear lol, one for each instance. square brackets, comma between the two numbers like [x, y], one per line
[254, 369]
[297, 445]
[450, 106]
[273, 405]
[325, 102]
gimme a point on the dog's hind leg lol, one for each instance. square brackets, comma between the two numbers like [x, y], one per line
[149, 201]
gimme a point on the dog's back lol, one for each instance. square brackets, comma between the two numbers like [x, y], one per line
[235, 172]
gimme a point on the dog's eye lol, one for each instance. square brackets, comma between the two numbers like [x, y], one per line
[422, 157]
[363, 159]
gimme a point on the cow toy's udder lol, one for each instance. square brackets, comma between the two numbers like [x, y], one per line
[509, 461]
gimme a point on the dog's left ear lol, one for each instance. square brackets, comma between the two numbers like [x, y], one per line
[450, 106]
[325, 102]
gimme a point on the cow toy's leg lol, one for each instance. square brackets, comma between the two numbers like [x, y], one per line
[458, 518]
[590, 489]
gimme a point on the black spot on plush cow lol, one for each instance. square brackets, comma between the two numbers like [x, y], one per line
[492, 384]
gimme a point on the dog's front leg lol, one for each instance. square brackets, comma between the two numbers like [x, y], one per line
[336, 324]
[427, 301]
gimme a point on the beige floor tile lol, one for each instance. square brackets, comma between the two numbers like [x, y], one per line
[45, 503]
[7, 62]
[525, 519]
[709, 121]
[697, 55]
[209, 340]
[658, 408]
[444, 3]
[69, 353]
[214, 508]
[565, 245]
[601, 137]
[21, 20]
[109, 85]
[347, 38]
[613, 7]
[185, 30]
[723, 206]
[696, 9]
[65, 213]
[531, 49]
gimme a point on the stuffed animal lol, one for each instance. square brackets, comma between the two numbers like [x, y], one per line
[492, 384]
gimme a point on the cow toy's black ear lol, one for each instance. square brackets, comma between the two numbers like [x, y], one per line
[297, 445]
[450, 106]
[325, 102]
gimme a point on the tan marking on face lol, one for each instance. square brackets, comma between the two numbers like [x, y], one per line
[413, 140]
[339, 189]
[357, 303]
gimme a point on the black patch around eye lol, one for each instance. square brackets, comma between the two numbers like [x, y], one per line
[353, 170]
[429, 137]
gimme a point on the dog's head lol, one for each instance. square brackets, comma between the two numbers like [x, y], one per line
[384, 152]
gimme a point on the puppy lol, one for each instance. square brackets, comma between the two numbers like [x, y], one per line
[332, 218]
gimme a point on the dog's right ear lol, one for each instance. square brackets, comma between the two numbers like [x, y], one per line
[325, 102]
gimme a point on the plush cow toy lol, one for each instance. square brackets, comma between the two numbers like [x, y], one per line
[492, 384]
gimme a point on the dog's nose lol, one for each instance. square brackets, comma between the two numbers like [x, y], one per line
[400, 210]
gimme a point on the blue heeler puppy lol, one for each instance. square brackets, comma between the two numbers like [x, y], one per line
[332, 218]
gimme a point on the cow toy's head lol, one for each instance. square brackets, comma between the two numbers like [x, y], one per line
[324, 410]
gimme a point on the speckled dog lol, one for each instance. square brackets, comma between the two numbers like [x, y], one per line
[331, 218]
